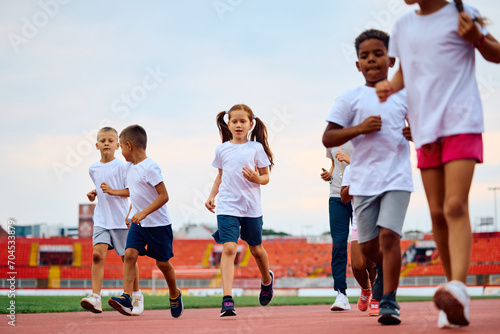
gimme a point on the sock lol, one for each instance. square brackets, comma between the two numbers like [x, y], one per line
[137, 293]
[390, 296]
[96, 295]
[366, 290]
[227, 297]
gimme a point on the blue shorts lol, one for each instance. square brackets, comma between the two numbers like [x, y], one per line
[229, 229]
[155, 242]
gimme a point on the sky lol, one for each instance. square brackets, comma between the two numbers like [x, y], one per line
[70, 67]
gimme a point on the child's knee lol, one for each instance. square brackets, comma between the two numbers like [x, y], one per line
[164, 266]
[97, 257]
[257, 251]
[454, 207]
[230, 249]
[130, 256]
[389, 239]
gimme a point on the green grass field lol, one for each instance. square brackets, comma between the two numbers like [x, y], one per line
[44, 304]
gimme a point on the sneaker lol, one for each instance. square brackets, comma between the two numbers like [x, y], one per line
[378, 284]
[389, 312]
[443, 321]
[122, 304]
[341, 303]
[364, 299]
[227, 307]
[138, 304]
[92, 303]
[266, 291]
[374, 308]
[453, 299]
[176, 306]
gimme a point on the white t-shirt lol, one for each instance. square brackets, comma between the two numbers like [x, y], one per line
[238, 196]
[142, 179]
[346, 181]
[439, 74]
[381, 160]
[339, 167]
[110, 211]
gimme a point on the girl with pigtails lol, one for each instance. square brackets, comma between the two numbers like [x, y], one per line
[244, 160]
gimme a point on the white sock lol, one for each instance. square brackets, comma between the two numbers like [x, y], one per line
[96, 295]
[137, 293]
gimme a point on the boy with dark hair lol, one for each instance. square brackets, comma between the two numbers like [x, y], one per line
[381, 180]
[150, 232]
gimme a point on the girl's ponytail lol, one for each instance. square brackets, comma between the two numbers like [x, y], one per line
[259, 133]
[224, 131]
[460, 7]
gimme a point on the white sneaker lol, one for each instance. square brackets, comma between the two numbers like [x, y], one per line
[92, 303]
[454, 300]
[137, 304]
[341, 303]
[443, 321]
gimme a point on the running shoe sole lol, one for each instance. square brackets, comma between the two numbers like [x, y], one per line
[89, 307]
[454, 309]
[117, 306]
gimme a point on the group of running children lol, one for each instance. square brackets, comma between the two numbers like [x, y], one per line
[434, 90]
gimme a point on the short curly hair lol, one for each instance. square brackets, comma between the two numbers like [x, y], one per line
[369, 34]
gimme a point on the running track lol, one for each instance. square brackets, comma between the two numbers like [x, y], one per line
[417, 317]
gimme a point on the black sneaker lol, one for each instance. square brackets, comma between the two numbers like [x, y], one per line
[389, 311]
[378, 284]
[122, 304]
[176, 305]
[266, 291]
[227, 307]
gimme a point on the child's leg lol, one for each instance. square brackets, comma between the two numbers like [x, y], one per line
[260, 255]
[229, 251]
[169, 273]
[99, 253]
[433, 181]
[129, 269]
[371, 251]
[358, 263]
[458, 178]
[391, 250]
[136, 279]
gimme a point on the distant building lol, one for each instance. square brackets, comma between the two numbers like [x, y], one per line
[194, 231]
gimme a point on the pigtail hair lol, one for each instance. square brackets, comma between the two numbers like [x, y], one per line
[224, 132]
[259, 133]
[460, 7]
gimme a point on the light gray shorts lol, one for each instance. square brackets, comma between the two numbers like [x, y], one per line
[386, 210]
[116, 238]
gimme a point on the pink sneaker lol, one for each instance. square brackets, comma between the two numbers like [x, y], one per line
[364, 299]
[373, 311]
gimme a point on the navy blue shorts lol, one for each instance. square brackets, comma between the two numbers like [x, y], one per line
[229, 229]
[155, 242]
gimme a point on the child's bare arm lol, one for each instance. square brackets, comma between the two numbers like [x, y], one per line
[386, 88]
[257, 175]
[210, 203]
[336, 135]
[487, 45]
[114, 192]
[157, 203]
[127, 222]
[91, 195]
[344, 194]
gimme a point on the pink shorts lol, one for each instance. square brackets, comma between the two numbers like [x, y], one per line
[446, 149]
[354, 234]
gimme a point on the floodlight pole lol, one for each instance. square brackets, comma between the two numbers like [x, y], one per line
[495, 204]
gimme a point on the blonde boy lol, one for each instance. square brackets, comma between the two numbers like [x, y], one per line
[110, 229]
